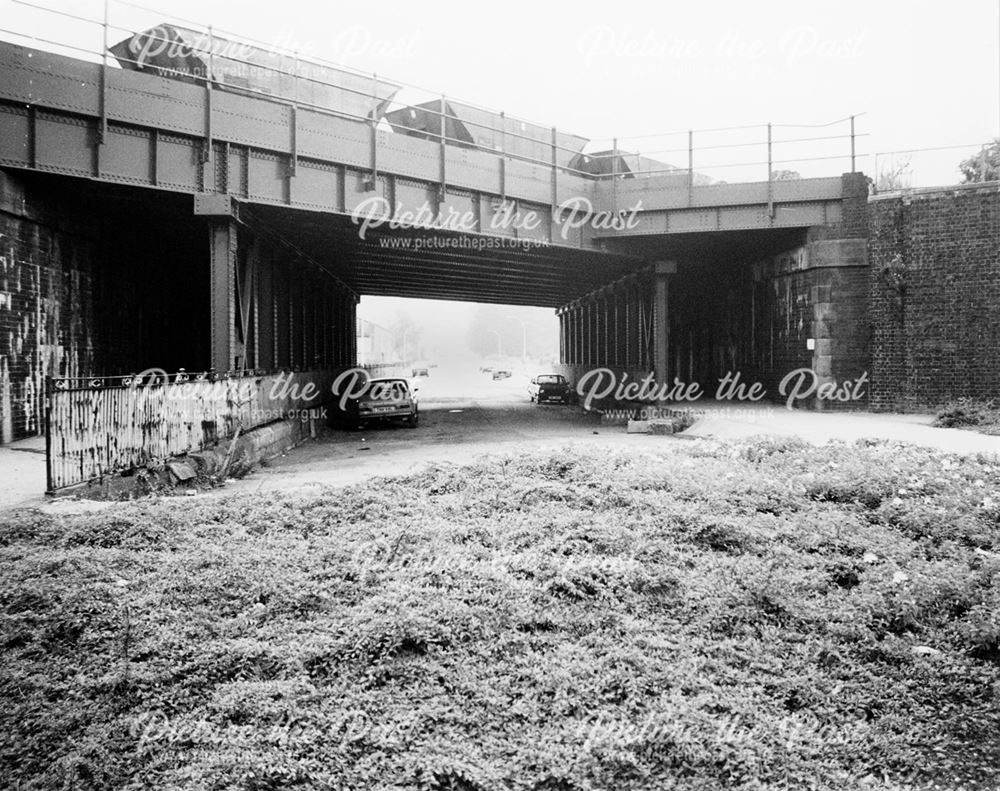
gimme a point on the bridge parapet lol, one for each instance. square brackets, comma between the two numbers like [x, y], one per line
[68, 116]
[669, 204]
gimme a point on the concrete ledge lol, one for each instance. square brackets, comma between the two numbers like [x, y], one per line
[986, 187]
[827, 253]
[816, 254]
[661, 426]
[642, 418]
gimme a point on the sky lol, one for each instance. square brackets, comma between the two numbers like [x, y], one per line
[922, 74]
[917, 74]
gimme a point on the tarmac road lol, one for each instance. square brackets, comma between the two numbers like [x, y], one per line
[496, 416]
[491, 416]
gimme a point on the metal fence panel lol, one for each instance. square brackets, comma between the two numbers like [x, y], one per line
[105, 425]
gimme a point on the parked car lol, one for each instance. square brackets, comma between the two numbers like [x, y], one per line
[419, 373]
[501, 373]
[546, 388]
[388, 399]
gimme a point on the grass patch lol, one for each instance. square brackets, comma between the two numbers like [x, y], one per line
[748, 615]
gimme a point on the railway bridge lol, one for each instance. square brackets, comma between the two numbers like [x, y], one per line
[151, 218]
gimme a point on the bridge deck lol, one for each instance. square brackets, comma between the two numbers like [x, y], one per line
[61, 115]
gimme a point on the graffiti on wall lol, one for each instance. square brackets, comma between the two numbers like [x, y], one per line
[44, 304]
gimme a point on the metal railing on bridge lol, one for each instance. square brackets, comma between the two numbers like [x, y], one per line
[914, 168]
[755, 152]
[186, 50]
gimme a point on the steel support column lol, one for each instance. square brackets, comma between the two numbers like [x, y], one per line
[351, 329]
[570, 328]
[345, 329]
[573, 337]
[579, 334]
[591, 332]
[629, 326]
[315, 318]
[303, 320]
[223, 247]
[323, 330]
[595, 332]
[352, 319]
[282, 316]
[593, 329]
[269, 326]
[608, 330]
[600, 327]
[616, 297]
[293, 323]
[575, 330]
[661, 319]
[562, 337]
[319, 319]
[304, 311]
[580, 327]
[252, 340]
[337, 340]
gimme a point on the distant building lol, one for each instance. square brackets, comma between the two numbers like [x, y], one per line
[375, 343]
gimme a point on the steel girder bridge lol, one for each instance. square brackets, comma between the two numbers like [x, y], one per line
[296, 179]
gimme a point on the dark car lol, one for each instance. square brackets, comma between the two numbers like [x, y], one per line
[384, 400]
[549, 388]
[420, 373]
[500, 373]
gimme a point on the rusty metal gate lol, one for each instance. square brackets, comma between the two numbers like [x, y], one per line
[100, 426]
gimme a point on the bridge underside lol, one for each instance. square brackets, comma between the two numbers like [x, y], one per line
[760, 305]
[140, 279]
[426, 264]
[114, 279]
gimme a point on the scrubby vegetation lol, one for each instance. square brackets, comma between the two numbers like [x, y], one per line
[760, 615]
[979, 415]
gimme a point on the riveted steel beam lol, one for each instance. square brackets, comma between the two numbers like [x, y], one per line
[223, 246]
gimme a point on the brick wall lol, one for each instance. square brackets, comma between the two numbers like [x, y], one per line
[935, 296]
[46, 305]
[805, 308]
[814, 295]
[782, 320]
[93, 282]
[854, 209]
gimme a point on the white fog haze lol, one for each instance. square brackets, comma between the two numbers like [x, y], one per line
[455, 340]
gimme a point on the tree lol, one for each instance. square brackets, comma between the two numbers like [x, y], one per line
[407, 336]
[894, 176]
[982, 166]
